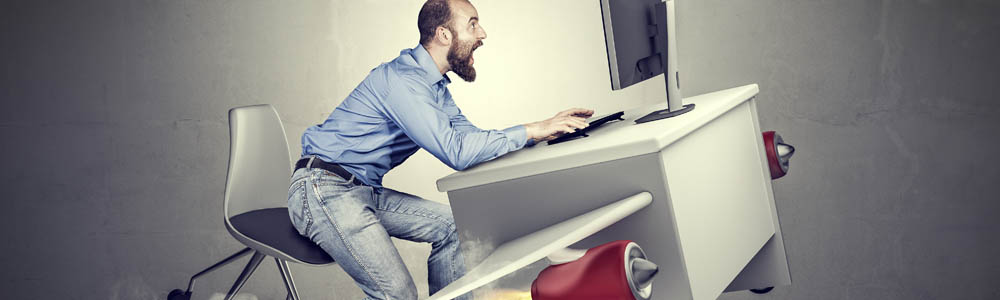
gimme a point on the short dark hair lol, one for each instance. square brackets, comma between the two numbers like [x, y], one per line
[433, 14]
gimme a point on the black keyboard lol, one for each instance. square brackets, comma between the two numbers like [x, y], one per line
[580, 133]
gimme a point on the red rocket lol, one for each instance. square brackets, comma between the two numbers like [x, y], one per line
[778, 154]
[617, 270]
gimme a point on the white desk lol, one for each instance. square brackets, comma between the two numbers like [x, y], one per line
[712, 212]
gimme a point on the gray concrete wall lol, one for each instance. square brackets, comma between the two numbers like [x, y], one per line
[115, 137]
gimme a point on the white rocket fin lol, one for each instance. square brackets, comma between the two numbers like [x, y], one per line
[523, 251]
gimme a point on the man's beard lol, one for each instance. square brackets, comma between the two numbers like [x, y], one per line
[460, 58]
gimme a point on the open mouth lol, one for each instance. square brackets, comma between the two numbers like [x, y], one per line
[472, 58]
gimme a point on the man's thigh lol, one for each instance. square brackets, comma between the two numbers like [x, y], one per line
[413, 218]
[348, 229]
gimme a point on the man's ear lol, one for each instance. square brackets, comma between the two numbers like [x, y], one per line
[443, 36]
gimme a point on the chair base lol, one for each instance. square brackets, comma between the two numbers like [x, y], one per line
[248, 270]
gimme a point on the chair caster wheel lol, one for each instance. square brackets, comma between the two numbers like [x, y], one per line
[178, 294]
[762, 291]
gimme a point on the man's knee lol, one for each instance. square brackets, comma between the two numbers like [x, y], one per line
[449, 235]
[446, 231]
[402, 292]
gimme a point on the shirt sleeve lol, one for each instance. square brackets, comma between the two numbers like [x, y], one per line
[458, 120]
[410, 105]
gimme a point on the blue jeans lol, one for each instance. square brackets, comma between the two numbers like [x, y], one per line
[353, 224]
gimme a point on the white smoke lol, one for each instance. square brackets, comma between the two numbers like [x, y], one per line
[476, 250]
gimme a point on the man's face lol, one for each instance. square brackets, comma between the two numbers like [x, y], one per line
[467, 36]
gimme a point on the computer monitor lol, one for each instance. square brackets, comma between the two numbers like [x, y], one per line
[641, 40]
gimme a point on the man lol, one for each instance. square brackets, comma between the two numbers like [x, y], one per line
[336, 197]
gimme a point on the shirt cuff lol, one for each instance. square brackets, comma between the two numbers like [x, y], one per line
[518, 136]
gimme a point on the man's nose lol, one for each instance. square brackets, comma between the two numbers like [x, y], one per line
[482, 33]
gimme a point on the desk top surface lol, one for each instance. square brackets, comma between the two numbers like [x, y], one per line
[614, 140]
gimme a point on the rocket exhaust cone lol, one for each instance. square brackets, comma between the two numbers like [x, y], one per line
[643, 272]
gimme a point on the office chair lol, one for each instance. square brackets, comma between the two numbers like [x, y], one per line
[255, 210]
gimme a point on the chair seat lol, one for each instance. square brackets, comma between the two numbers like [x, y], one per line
[272, 227]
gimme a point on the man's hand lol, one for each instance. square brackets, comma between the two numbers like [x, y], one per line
[564, 122]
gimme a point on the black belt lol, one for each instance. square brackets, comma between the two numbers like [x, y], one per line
[332, 167]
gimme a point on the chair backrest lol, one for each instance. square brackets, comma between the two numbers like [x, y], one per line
[259, 168]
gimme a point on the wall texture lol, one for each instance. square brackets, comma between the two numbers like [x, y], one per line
[115, 137]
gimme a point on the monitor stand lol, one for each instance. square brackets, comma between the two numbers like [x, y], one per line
[664, 113]
[666, 42]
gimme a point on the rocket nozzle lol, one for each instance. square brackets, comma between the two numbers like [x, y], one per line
[643, 271]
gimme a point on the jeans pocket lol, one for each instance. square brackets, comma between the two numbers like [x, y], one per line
[298, 207]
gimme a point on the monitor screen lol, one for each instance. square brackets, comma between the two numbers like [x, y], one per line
[641, 40]
[629, 33]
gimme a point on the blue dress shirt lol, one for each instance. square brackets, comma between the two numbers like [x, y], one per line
[402, 106]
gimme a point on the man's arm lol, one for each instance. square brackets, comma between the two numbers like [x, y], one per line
[410, 105]
[563, 122]
[458, 120]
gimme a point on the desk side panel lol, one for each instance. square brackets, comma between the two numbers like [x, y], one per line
[770, 266]
[721, 205]
[490, 214]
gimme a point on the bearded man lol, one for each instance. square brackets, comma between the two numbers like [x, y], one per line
[336, 197]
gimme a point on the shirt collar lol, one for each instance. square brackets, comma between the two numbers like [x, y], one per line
[423, 58]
